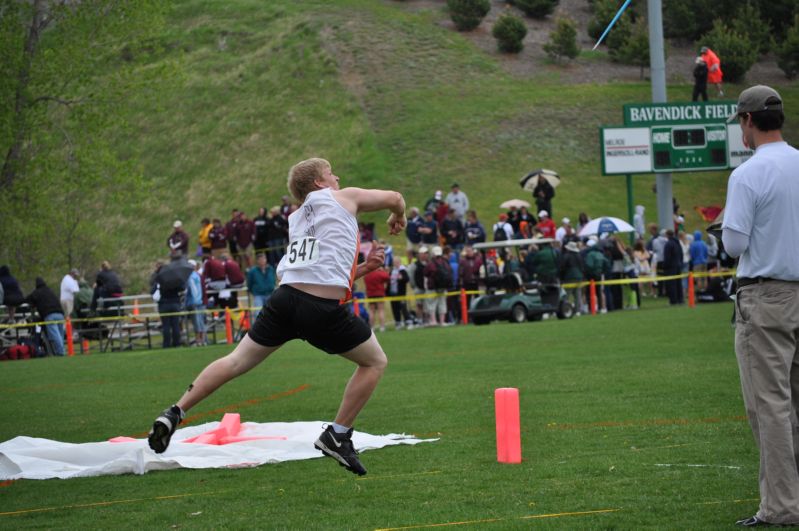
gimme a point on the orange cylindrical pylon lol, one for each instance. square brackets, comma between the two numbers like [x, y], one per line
[68, 330]
[592, 296]
[85, 346]
[464, 309]
[228, 327]
[691, 293]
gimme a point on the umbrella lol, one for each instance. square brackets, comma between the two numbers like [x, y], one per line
[174, 274]
[715, 227]
[605, 225]
[518, 203]
[530, 181]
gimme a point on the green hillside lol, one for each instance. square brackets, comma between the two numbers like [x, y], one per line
[387, 92]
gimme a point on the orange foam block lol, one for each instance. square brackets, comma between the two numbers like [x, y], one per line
[122, 439]
[229, 427]
[509, 436]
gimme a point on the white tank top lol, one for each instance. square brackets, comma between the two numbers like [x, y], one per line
[323, 244]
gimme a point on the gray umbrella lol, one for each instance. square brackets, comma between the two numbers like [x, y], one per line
[173, 275]
[529, 181]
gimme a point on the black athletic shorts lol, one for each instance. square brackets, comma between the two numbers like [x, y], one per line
[324, 323]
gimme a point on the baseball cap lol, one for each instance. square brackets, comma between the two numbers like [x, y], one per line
[192, 263]
[423, 249]
[437, 251]
[756, 99]
[566, 221]
[455, 185]
[503, 216]
[438, 194]
[543, 213]
[177, 224]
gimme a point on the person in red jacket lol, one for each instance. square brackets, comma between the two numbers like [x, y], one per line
[376, 282]
[545, 225]
[714, 73]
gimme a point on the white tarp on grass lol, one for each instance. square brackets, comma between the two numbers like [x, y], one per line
[33, 458]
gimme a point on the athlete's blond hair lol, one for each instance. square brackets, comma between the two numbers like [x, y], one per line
[302, 176]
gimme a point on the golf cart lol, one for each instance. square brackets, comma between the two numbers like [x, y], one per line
[510, 297]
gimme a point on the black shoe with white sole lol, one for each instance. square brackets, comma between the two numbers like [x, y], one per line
[163, 428]
[339, 447]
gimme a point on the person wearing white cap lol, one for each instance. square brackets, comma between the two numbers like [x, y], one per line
[761, 228]
[69, 287]
[317, 275]
[545, 225]
[178, 241]
[565, 230]
[434, 202]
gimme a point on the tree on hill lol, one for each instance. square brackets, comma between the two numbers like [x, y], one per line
[467, 14]
[634, 48]
[536, 8]
[788, 52]
[509, 31]
[563, 41]
[58, 173]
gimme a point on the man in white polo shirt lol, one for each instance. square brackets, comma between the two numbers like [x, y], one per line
[761, 226]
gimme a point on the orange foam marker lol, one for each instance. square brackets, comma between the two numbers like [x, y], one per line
[122, 439]
[509, 437]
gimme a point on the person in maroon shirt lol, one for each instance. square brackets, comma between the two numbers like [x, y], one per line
[178, 241]
[218, 239]
[228, 297]
[213, 279]
[245, 234]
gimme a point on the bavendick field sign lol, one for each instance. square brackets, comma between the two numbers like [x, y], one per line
[673, 137]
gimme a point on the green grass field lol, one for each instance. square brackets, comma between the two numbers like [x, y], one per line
[635, 413]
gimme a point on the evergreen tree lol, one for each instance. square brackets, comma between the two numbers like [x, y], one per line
[563, 40]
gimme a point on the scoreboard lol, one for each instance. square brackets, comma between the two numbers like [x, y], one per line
[673, 137]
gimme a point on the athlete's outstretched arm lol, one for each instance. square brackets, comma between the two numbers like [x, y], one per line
[358, 200]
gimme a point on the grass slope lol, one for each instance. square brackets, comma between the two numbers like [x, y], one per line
[392, 97]
[618, 412]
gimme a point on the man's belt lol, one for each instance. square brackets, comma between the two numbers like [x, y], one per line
[746, 281]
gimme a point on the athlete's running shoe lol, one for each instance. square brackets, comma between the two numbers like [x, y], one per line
[339, 447]
[163, 428]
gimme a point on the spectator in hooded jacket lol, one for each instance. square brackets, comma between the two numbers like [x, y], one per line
[458, 201]
[714, 73]
[700, 80]
[397, 287]
[699, 257]
[452, 230]
[12, 294]
[49, 308]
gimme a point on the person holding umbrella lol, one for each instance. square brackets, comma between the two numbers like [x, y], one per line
[170, 281]
[542, 184]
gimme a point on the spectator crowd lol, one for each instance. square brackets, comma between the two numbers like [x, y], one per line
[440, 258]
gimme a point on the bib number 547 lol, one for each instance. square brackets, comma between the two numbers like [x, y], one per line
[302, 252]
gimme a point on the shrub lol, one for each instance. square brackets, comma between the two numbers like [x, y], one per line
[735, 51]
[563, 41]
[748, 22]
[635, 48]
[467, 14]
[788, 52]
[603, 12]
[536, 8]
[509, 30]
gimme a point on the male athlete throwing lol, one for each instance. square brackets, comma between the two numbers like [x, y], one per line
[317, 272]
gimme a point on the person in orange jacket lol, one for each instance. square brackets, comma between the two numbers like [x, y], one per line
[714, 73]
